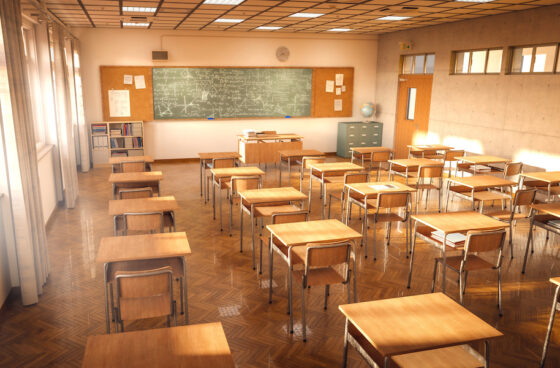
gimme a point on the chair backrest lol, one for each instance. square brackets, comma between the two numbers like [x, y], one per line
[430, 171]
[484, 241]
[306, 161]
[137, 291]
[453, 155]
[381, 156]
[513, 168]
[360, 177]
[221, 163]
[131, 193]
[524, 197]
[393, 200]
[288, 217]
[241, 183]
[133, 166]
[325, 255]
[150, 222]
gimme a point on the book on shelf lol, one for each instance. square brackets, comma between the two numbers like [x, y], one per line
[136, 152]
[115, 132]
[137, 129]
[128, 142]
[98, 129]
[118, 154]
[100, 142]
[452, 239]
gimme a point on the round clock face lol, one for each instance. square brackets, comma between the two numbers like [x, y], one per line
[282, 53]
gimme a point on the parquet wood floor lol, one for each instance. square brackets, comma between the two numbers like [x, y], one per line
[223, 287]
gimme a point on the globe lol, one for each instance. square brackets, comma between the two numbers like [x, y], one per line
[367, 109]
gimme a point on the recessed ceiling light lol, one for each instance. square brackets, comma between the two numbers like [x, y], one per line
[130, 24]
[392, 17]
[138, 9]
[475, 1]
[268, 28]
[228, 20]
[223, 2]
[306, 15]
[339, 30]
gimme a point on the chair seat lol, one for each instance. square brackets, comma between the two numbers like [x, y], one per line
[267, 211]
[320, 276]
[155, 306]
[387, 217]
[491, 196]
[473, 263]
[453, 356]
[504, 215]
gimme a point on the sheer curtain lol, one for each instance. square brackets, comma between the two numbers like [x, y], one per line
[21, 160]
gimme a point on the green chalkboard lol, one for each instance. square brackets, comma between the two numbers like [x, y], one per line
[195, 93]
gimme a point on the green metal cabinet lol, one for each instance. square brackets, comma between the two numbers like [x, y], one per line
[358, 134]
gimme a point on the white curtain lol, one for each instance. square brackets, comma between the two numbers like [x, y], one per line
[81, 120]
[21, 161]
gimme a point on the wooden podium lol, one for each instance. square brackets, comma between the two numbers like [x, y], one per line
[263, 148]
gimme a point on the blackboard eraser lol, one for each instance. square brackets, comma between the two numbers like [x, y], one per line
[210, 118]
[287, 116]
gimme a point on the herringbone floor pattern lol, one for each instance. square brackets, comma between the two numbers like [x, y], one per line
[223, 287]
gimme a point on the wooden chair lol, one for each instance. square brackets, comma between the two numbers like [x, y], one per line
[305, 162]
[429, 177]
[450, 157]
[361, 158]
[476, 242]
[219, 163]
[149, 222]
[324, 264]
[431, 154]
[349, 178]
[144, 294]
[379, 158]
[511, 169]
[523, 197]
[133, 166]
[134, 193]
[238, 184]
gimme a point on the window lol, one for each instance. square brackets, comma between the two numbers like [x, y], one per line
[488, 61]
[411, 106]
[418, 64]
[31, 64]
[534, 59]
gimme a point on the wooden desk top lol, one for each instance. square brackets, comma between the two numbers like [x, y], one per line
[265, 137]
[371, 149]
[139, 247]
[454, 222]
[136, 205]
[414, 162]
[482, 181]
[370, 188]
[237, 171]
[267, 195]
[415, 323]
[136, 177]
[300, 153]
[429, 147]
[118, 160]
[301, 233]
[546, 176]
[194, 346]
[555, 280]
[336, 166]
[548, 208]
[213, 155]
[483, 159]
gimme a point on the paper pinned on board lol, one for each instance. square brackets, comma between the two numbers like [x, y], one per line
[139, 82]
[339, 79]
[343, 88]
[338, 91]
[329, 86]
[337, 105]
[127, 79]
[119, 103]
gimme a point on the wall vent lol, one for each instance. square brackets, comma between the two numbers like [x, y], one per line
[160, 55]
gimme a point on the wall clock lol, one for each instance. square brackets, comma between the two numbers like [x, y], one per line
[282, 53]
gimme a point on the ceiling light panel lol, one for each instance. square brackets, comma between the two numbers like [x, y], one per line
[138, 9]
[306, 15]
[223, 2]
[130, 24]
[339, 30]
[393, 17]
[268, 28]
[228, 20]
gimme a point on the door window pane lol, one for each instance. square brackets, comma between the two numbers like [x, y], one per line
[430, 61]
[419, 64]
[544, 59]
[407, 65]
[521, 60]
[462, 62]
[411, 104]
[494, 61]
[478, 61]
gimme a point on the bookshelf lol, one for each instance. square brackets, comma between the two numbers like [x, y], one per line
[115, 139]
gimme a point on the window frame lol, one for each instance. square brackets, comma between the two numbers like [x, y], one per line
[413, 56]
[534, 47]
[453, 62]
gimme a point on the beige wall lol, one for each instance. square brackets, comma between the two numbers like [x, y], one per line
[172, 139]
[515, 116]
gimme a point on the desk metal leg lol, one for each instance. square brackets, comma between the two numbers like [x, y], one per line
[345, 352]
[201, 177]
[444, 265]
[324, 201]
[486, 354]
[529, 239]
[270, 259]
[253, 233]
[185, 291]
[107, 321]
[555, 307]
[289, 171]
[412, 255]
[241, 227]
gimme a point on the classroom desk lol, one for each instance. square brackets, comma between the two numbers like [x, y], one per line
[403, 167]
[134, 249]
[222, 175]
[135, 180]
[324, 173]
[302, 233]
[550, 179]
[361, 154]
[474, 188]
[450, 222]
[268, 198]
[369, 192]
[118, 207]
[383, 329]
[195, 346]
[264, 148]
[292, 156]
[116, 161]
[555, 307]
[550, 211]
[427, 150]
[206, 159]
[485, 160]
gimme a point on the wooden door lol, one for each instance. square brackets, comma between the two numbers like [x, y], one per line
[413, 111]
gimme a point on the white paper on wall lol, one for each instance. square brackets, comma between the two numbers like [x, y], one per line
[338, 91]
[127, 79]
[339, 79]
[338, 105]
[119, 103]
[329, 87]
[139, 82]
